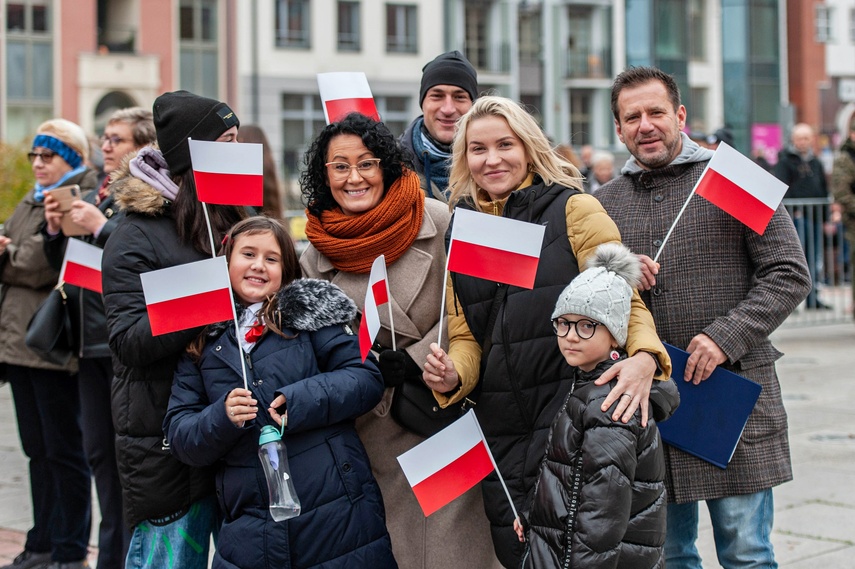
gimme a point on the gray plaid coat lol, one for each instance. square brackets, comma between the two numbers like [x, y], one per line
[720, 278]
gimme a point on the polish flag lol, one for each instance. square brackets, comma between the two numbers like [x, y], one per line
[227, 173]
[448, 464]
[495, 248]
[343, 93]
[81, 265]
[740, 187]
[189, 295]
[376, 295]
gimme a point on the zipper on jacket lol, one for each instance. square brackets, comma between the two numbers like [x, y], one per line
[247, 358]
[572, 509]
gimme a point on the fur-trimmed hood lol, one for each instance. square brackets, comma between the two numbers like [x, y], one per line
[135, 195]
[305, 304]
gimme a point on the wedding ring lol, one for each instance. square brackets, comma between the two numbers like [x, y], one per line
[233, 412]
[626, 395]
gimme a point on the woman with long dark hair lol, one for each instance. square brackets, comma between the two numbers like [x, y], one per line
[170, 506]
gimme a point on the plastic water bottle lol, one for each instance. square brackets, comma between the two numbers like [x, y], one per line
[284, 503]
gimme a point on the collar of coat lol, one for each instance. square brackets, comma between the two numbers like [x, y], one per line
[304, 305]
[134, 195]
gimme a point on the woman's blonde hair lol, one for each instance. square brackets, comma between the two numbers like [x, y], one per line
[543, 160]
[69, 133]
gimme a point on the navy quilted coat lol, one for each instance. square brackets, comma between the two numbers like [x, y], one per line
[319, 370]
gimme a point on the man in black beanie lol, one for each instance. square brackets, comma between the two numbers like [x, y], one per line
[180, 115]
[448, 89]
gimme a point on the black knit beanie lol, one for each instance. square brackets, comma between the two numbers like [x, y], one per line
[450, 68]
[180, 115]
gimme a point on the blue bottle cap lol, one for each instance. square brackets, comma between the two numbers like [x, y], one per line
[269, 434]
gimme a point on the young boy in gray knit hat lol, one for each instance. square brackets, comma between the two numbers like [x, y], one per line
[600, 493]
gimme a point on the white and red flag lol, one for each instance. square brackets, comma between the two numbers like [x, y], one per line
[448, 464]
[227, 173]
[81, 265]
[376, 295]
[495, 248]
[742, 188]
[189, 295]
[345, 92]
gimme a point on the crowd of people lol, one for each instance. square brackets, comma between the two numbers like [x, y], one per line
[568, 378]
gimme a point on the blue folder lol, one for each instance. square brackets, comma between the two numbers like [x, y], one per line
[711, 415]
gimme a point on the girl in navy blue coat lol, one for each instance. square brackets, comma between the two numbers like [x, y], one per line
[303, 364]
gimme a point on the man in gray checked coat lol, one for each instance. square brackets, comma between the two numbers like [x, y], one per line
[718, 291]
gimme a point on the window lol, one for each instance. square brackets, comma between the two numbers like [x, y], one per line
[823, 16]
[395, 112]
[292, 23]
[29, 67]
[697, 28]
[580, 116]
[348, 26]
[530, 36]
[198, 57]
[589, 42]
[302, 120]
[852, 25]
[401, 24]
[697, 109]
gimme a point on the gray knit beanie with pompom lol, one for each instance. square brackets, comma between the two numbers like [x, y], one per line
[603, 291]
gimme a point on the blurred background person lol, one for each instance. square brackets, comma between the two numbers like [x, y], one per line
[272, 188]
[47, 404]
[843, 187]
[127, 131]
[801, 170]
[364, 200]
[602, 170]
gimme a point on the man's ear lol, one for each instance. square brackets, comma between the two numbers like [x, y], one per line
[618, 131]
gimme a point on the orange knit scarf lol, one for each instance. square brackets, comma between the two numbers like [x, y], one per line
[351, 243]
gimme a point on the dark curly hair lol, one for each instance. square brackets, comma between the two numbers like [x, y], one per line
[376, 137]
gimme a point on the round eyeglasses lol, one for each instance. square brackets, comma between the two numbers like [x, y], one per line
[585, 328]
[340, 171]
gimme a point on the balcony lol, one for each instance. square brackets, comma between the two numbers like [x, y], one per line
[117, 39]
[489, 58]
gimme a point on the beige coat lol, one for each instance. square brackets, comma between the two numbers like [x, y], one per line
[26, 278]
[457, 535]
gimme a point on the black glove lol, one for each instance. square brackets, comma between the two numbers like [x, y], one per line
[395, 365]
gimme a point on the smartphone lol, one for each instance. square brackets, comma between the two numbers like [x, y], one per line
[65, 195]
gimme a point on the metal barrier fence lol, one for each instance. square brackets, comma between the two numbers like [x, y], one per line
[826, 248]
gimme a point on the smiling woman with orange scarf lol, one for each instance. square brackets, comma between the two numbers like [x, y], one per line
[364, 200]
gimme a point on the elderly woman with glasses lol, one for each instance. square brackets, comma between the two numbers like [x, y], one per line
[364, 200]
[47, 404]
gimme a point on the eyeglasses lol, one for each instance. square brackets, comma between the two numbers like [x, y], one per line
[45, 156]
[585, 328]
[112, 140]
[340, 171]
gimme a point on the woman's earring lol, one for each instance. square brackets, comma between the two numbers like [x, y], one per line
[614, 355]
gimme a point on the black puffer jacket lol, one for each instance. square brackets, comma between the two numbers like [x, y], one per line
[90, 323]
[154, 483]
[600, 495]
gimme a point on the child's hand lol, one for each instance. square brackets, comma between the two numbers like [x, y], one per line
[439, 373]
[519, 529]
[240, 406]
[273, 410]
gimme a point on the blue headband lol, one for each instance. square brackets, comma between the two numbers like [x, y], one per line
[67, 153]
